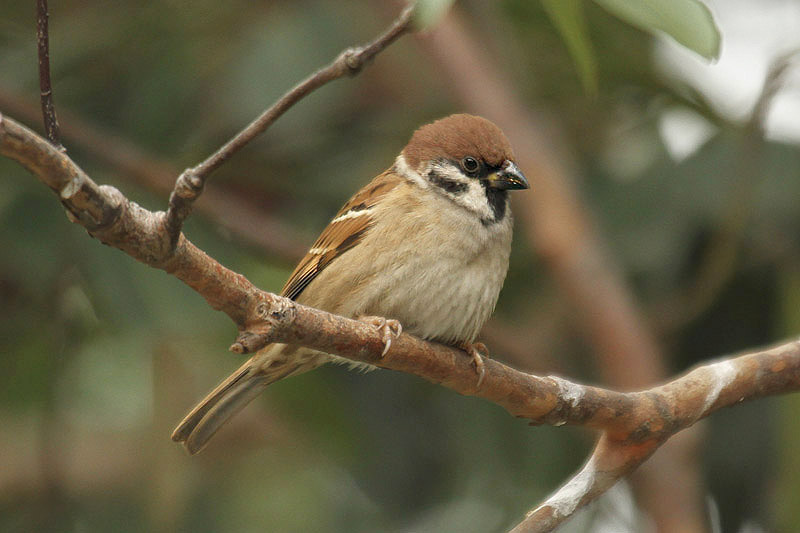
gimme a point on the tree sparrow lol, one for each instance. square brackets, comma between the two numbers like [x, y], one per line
[426, 244]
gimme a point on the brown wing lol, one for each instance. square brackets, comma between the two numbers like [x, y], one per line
[344, 232]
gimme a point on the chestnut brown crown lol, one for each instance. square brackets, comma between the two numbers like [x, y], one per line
[456, 137]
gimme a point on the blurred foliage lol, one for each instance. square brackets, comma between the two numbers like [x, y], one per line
[429, 12]
[689, 22]
[102, 355]
[568, 18]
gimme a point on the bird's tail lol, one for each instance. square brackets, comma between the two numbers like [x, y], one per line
[228, 398]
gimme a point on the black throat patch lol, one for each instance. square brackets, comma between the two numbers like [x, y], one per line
[497, 202]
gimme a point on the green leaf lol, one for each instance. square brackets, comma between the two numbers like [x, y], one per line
[687, 21]
[568, 18]
[429, 12]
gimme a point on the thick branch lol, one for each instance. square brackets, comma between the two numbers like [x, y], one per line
[190, 184]
[678, 404]
[609, 462]
[631, 418]
[114, 220]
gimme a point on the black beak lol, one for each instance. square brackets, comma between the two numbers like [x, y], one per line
[508, 177]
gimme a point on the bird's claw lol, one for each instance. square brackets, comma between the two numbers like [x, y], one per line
[477, 350]
[388, 328]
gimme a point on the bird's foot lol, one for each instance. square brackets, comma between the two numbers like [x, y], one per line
[387, 327]
[476, 350]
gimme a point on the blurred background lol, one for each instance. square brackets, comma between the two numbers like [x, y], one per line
[662, 230]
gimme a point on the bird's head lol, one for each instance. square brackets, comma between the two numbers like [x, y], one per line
[466, 158]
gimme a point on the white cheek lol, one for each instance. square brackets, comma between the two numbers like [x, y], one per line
[406, 171]
[475, 200]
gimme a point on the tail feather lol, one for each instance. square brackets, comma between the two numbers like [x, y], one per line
[231, 403]
[190, 421]
[227, 399]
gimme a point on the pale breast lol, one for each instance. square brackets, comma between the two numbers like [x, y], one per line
[441, 280]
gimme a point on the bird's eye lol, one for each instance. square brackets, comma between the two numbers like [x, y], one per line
[469, 164]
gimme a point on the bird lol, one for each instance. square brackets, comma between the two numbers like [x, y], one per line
[423, 248]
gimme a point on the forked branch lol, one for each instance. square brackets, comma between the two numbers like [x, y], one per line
[190, 183]
[633, 425]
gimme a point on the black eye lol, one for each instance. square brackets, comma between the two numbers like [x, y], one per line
[469, 164]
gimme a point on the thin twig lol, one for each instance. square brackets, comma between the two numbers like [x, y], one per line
[243, 215]
[45, 85]
[190, 184]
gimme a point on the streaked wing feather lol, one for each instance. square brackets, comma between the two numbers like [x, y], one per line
[340, 235]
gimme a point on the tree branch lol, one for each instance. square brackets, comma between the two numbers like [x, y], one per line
[190, 184]
[673, 407]
[45, 86]
[634, 424]
[239, 213]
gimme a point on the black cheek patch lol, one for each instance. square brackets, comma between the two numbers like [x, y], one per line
[448, 185]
